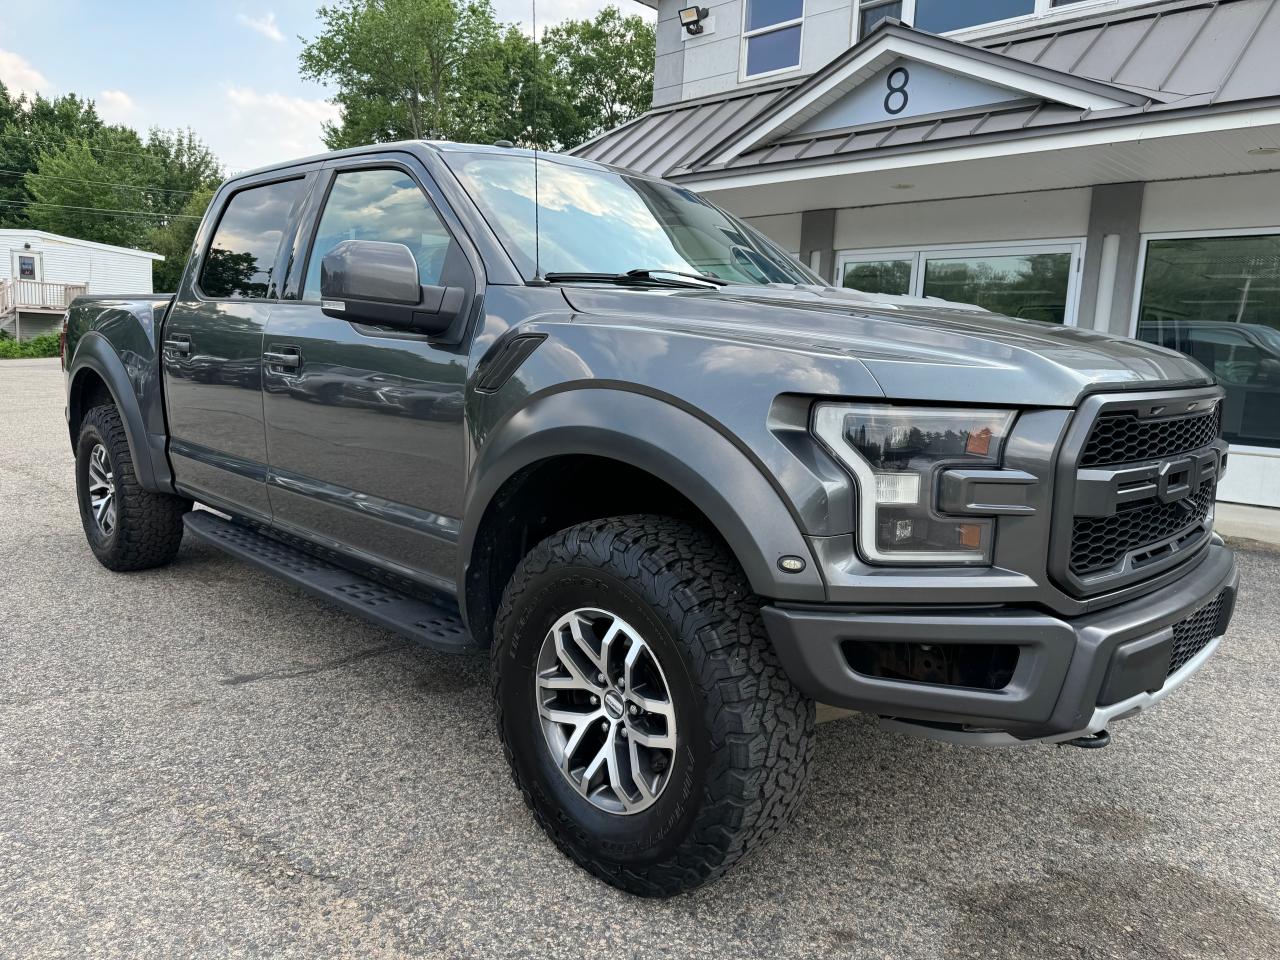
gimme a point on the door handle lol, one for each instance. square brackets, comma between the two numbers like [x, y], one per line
[179, 345]
[278, 358]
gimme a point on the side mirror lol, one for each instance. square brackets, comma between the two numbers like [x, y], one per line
[369, 281]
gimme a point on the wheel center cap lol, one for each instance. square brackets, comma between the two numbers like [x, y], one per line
[613, 704]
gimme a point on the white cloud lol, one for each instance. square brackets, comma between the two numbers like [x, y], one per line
[260, 128]
[265, 25]
[20, 76]
[116, 106]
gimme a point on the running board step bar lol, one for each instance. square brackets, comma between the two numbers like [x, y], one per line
[435, 626]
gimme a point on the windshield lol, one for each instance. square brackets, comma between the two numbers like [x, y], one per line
[597, 221]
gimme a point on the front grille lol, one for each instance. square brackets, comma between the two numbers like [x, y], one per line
[1123, 438]
[1115, 523]
[1191, 634]
[1098, 543]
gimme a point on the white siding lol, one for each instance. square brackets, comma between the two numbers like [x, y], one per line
[104, 270]
[1052, 214]
[783, 229]
[1214, 203]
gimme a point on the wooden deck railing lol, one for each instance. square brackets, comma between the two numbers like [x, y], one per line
[38, 295]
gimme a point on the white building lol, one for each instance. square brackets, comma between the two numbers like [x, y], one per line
[1110, 164]
[40, 274]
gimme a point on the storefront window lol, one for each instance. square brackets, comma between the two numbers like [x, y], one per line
[879, 276]
[1217, 299]
[1030, 281]
[1029, 286]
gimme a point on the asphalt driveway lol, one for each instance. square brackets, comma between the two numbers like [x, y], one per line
[200, 761]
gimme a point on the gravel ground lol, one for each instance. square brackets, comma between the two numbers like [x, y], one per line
[202, 761]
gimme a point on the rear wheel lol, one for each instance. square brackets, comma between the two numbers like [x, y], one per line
[647, 721]
[128, 528]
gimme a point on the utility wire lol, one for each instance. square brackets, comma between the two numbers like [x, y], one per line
[83, 143]
[103, 211]
[100, 183]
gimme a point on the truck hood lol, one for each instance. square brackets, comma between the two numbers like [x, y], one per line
[914, 348]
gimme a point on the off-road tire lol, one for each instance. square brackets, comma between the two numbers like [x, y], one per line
[746, 732]
[148, 528]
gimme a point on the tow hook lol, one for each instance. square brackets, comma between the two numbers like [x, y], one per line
[1094, 741]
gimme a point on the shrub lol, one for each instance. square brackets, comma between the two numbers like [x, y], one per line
[45, 346]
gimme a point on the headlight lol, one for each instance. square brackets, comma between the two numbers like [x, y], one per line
[896, 454]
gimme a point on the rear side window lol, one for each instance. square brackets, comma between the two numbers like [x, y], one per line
[384, 205]
[243, 253]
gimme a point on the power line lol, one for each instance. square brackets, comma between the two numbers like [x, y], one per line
[85, 143]
[103, 211]
[101, 183]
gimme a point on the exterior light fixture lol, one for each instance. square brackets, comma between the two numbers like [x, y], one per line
[691, 19]
[1262, 151]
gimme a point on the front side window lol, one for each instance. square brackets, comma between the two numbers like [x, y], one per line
[242, 255]
[384, 205]
[772, 30]
[871, 12]
[1216, 300]
[594, 220]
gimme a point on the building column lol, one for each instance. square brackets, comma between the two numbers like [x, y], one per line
[1112, 248]
[817, 242]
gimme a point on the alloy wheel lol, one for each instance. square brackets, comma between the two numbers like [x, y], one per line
[606, 710]
[102, 490]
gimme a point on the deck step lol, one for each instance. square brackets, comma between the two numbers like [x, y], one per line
[435, 626]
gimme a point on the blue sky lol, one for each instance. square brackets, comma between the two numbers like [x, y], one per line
[226, 68]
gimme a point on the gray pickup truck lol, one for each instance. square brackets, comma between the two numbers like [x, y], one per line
[677, 488]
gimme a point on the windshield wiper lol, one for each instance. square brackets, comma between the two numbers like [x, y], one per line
[655, 275]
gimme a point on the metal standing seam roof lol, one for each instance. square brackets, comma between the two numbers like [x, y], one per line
[1175, 53]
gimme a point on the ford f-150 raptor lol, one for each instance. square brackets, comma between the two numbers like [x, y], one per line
[677, 487]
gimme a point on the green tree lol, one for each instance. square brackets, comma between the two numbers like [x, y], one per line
[175, 238]
[29, 125]
[603, 70]
[398, 65]
[446, 69]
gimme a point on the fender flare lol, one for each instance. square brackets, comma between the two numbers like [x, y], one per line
[150, 463]
[655, 436]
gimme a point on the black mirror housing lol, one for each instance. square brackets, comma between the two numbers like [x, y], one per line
[370, 281]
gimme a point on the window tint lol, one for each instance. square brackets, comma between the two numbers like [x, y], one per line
[939, 16]
[242, 255]
[384, 205]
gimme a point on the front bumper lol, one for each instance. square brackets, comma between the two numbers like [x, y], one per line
[1072, 678]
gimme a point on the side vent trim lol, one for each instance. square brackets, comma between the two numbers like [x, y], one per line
[497, 371]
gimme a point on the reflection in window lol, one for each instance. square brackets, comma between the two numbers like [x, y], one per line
[384, 205]
[869, 14]
[939, 16]
[243, 252]
[772, 30]
[1030, 286]
[1217, 299]
[596, 221]
[879, 276]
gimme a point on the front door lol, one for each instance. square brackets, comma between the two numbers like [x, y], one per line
[28, 265]
[213, 350]
[365, 424]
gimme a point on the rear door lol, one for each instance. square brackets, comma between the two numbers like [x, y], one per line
[212, 351]
[365, 424]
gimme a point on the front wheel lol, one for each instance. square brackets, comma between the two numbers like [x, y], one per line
[643, 711]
